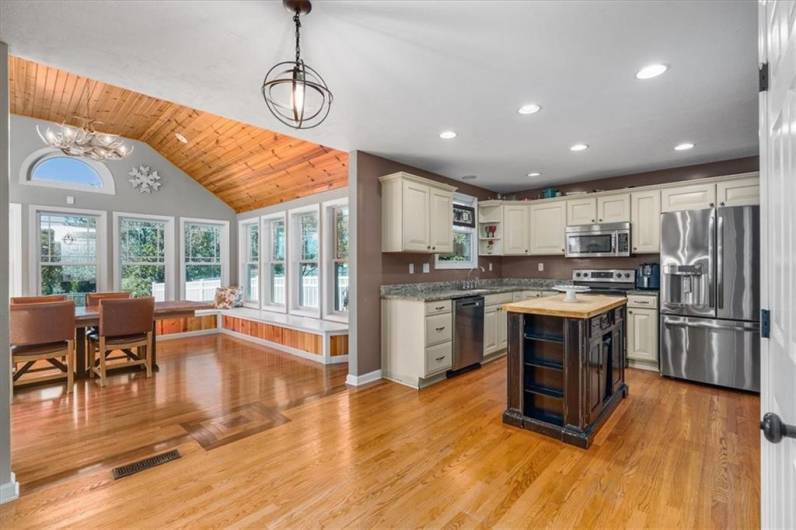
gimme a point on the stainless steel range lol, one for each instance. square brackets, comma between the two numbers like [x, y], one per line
[606, 281]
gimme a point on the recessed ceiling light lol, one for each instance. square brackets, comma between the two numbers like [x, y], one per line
[534, 174]
[469, 177]
[181, 138]
[651, 70]
[579, 147]
[685, 146]
[530, 108]
[447, 135]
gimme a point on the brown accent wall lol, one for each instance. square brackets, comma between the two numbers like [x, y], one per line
[374, 268]
[559, 267]
[661, 176]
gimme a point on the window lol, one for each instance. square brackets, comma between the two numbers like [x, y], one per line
[204, 258]
[465, 242]
[335, 251]
[275, 288]
[306, 258]
[69, 250]
[250, 261]
[49, 167]
[144, 249]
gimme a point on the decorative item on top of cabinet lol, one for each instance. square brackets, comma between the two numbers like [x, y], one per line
[645, 219]
[490, 228]
[548, 226]
[416, 214]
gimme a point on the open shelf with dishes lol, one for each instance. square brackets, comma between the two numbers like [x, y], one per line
[490, 229]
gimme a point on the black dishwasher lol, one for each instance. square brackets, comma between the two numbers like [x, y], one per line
[468, 337]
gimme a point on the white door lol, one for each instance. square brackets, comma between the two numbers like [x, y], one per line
[642, 334]
[613, 208]
[645, 219]
[548, 225]
[441, 221]
[778, 258]
[515, 229]
[693, 197]
[502, 329]
[490, 329]
[741, 192]
[415, 205]
[581, 211]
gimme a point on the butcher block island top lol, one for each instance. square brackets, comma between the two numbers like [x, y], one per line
[586, 306]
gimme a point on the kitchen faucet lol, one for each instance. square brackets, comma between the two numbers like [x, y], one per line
[472, 284]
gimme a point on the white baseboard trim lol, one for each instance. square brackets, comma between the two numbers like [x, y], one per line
[281, 347]
[10, 490]
[364, 379]
[187, 334]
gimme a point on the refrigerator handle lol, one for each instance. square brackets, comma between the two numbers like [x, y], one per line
[710, 324]
[720, 262]
[711, 264]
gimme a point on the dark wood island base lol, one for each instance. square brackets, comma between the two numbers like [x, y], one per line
[566, 367]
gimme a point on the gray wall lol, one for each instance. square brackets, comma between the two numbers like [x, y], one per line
[179, 196]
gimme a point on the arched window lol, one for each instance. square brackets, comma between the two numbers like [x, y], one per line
[50, 168]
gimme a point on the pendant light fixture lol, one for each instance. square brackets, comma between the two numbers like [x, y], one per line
[295, 93]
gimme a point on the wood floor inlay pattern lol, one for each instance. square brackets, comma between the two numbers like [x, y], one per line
[673, 455]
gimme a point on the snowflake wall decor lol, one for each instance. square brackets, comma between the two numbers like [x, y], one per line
[144, 179]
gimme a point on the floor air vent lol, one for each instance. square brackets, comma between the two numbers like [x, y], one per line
[146, 463]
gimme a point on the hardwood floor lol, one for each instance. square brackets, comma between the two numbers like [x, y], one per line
[272, 440]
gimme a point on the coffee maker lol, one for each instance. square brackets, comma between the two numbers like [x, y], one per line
[648, 276]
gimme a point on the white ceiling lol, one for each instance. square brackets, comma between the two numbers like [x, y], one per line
[402, 71]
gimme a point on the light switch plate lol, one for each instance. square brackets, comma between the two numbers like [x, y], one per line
[490, 266]
[540, 267]
[70, 199]
[411, 268]
[426, 267]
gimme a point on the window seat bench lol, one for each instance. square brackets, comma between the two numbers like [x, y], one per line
[321, 341]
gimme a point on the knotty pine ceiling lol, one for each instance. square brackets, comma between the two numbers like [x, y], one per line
[244, 166]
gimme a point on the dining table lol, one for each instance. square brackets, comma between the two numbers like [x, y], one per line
[87, 317]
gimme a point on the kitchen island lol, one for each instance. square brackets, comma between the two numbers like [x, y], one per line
[566, 363]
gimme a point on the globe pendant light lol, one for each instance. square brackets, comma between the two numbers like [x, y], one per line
[295, 93]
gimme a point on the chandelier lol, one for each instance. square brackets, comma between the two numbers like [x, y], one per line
[84, 140]
[295, 93]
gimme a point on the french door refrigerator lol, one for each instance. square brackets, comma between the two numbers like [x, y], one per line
[710, 296]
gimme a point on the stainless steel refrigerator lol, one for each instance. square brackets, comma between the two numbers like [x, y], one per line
[710, 296]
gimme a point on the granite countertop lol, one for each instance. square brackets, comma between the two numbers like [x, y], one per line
[585, 306]
[434, 291]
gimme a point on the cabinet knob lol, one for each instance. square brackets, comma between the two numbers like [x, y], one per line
[433, 248]
[601, 220]
[428, 247]
[722, 203]
[635, 248]
[711, 205]
[629, 312]
[526, 250]
[592, 220]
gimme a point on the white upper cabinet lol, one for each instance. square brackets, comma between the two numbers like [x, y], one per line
[645, 219]
[516, 223]
[416, 214]
[741, 192]
[582, 211]
[613, 208]
[441, 221]
[693, 197]
[548, 224]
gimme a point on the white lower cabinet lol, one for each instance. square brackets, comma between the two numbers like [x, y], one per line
[642, 332]
[490, 329]
[495, 322]
[502, 329]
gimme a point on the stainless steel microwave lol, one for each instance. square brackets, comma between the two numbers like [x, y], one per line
[598, 241]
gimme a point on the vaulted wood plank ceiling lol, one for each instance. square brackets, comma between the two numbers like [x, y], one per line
[244, 166]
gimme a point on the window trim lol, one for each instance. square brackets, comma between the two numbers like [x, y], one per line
[34, 261]
[224, 249]
[464, 200]
[294, 250]
[328, 226]
[169, 233]
[40, 155]
[243, 249]
[265, 264]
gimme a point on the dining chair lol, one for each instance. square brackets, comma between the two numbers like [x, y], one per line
[43, 332]
[124, 324]
[93, 299]
[38, 299]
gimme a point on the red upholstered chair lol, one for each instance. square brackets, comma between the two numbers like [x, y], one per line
[43, 331]
[123, 325]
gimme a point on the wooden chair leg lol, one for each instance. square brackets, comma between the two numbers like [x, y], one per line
[101, 351]
[70, 365]
[148, 354]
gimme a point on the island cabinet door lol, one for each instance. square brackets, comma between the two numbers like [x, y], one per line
[595, 379]
[617, 358]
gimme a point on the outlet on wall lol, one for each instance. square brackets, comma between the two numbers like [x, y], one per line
[426, 267]
[70, 199]
[411, 268]
[490, 266]
[540, 267]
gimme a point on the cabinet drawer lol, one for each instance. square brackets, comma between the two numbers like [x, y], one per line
[438, 329]
[439, 357]
[635, 300]
[438, 307]
[497, 299]
[526, 295]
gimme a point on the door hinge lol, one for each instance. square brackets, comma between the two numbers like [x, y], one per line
[765, 323]
[763, 77]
